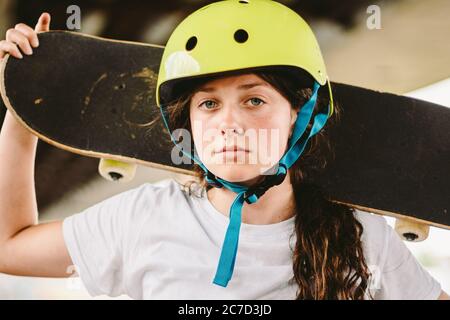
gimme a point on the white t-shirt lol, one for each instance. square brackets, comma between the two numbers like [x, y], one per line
[157, 242]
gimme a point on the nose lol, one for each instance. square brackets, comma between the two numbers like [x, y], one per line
[229, 122]
[228, 132]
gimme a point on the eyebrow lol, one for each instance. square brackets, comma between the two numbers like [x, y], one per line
[241, 87]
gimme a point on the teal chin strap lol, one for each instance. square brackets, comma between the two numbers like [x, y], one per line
[250, 195]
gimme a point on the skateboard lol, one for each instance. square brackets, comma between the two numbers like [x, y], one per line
[96, 97]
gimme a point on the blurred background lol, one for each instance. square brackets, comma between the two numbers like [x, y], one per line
[408, 53]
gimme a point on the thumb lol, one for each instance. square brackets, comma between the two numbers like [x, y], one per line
[43, 23]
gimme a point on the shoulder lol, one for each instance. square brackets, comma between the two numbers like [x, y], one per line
[150, 198]
[161, 199]
[136, 204]
[166, 186]
[148, 193]
[395, 272]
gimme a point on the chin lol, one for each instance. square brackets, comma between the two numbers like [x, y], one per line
[236, 172]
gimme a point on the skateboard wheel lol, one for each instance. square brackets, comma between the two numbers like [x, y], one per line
[411, 231]
[116, 171]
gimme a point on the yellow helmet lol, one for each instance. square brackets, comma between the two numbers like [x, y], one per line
[239, 34]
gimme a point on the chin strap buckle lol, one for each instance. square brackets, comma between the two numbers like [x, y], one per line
[254, 193]
[211, 179]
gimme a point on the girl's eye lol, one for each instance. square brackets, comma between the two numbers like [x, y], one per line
[209, 104]
[256, 100]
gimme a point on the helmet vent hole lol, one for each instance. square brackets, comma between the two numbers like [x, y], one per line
[244, 1]
[241, 36]
[191, 43]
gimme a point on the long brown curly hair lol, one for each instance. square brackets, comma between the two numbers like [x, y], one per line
[328, 259]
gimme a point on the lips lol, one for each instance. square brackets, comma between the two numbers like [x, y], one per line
[231, 148]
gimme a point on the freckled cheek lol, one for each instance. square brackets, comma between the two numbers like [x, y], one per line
[203, 137]
[197, 126]
[273, 138]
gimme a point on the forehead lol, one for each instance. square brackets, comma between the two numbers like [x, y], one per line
[244, 81]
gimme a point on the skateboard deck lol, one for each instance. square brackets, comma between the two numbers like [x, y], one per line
[96, 97]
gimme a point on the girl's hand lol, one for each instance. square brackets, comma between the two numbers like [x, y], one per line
[24, 37]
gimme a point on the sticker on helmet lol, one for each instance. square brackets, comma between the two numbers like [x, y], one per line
[179, 64]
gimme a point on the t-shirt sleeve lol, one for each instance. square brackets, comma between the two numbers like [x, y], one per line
[96, 239]
[402, 277]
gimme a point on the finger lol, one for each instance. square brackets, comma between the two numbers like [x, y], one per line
[29, 33]
[43, 23]
[11, 48]
[15, 36]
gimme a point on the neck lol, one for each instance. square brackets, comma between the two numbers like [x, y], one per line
[276, 205]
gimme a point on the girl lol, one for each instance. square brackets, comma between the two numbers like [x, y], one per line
[249, 227]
